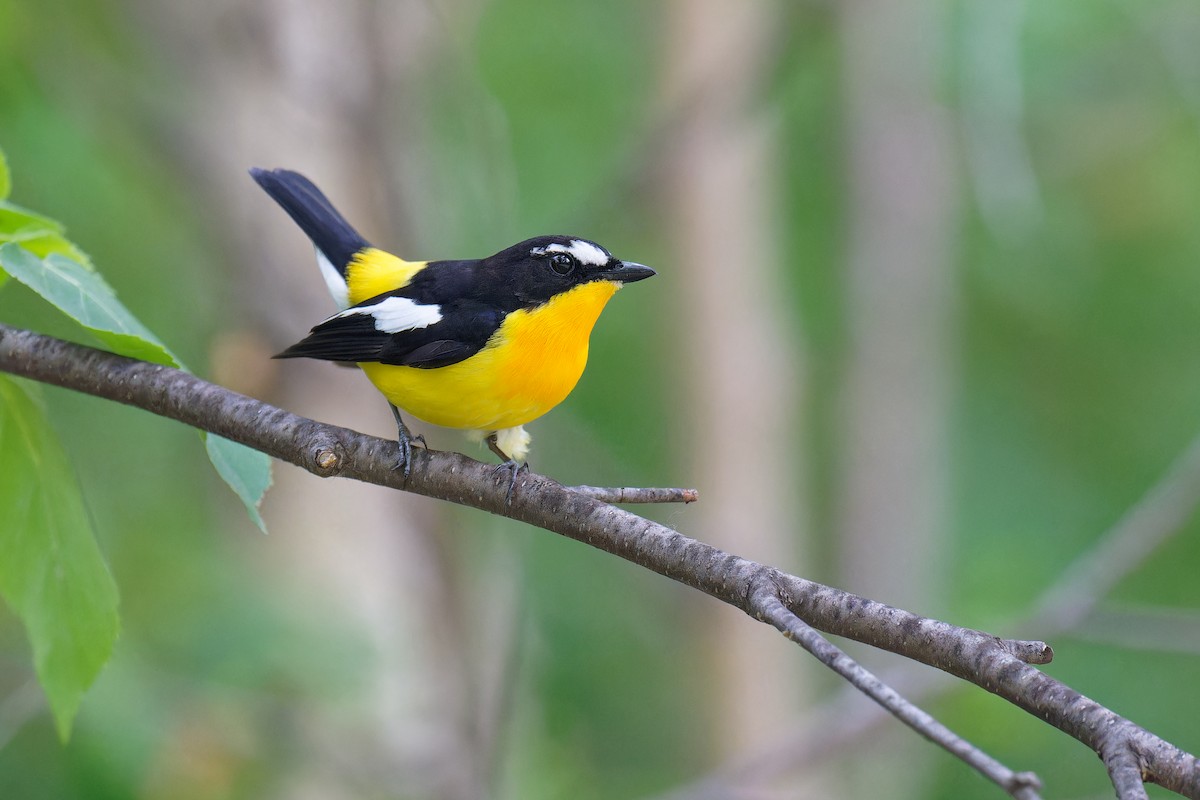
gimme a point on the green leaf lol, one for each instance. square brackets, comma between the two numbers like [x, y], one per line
[52, 574]
[39, 235]
[246, 470]
[84, 296]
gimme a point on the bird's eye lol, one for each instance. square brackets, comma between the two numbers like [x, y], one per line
[562, 263]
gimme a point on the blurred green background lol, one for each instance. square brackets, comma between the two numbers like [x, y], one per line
[927, 324]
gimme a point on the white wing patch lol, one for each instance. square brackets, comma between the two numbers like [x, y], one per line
[583, 251]
[333, 279]
[396, 314]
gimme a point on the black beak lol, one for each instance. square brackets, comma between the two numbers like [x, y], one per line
[625, 272]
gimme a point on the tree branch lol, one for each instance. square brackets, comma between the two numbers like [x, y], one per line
[1022, 785]
[626, 494]
[1069, 605]
[1126, 776]
[1002, 667]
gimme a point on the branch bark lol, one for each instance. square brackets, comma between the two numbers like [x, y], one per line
[1002, 667]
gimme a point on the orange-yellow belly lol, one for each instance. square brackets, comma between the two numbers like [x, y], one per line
[527, 368]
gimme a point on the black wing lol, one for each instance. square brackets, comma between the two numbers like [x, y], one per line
[354, 335]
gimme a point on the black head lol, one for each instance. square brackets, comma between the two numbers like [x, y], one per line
[537, 269]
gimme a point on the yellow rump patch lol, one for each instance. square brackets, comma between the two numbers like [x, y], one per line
[372, 272]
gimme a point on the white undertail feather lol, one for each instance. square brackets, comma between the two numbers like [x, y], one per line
[333, 279]
[513, 442]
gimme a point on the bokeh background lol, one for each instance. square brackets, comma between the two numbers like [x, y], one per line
[927, 325]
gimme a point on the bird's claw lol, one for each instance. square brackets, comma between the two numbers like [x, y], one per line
[405, 441]
[513, 469]
[404, 462]
[509, 464]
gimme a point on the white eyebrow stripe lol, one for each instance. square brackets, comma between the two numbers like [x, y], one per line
[583, 251]
[396, 314]
[588, 253]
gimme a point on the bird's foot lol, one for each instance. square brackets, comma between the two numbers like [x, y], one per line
[513, 469]
[405, 441]
[510, 466]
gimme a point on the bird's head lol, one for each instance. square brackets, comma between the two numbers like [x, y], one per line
[537, 269]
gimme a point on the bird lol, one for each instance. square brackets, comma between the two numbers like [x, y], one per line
[483, 345]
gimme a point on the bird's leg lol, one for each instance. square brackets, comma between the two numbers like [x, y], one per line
[510, 466]
[406, 441]
[494, 446]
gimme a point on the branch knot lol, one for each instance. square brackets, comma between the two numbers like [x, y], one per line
[327, 461]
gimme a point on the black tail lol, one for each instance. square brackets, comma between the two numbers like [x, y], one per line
[313, 212]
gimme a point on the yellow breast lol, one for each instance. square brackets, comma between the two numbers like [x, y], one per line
[530, 365]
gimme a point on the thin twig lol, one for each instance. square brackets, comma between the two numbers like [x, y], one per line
[328, 450]
[1065, 606]
[625, 494]
[1021, 785]
[1125, 773]
[830, 729]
